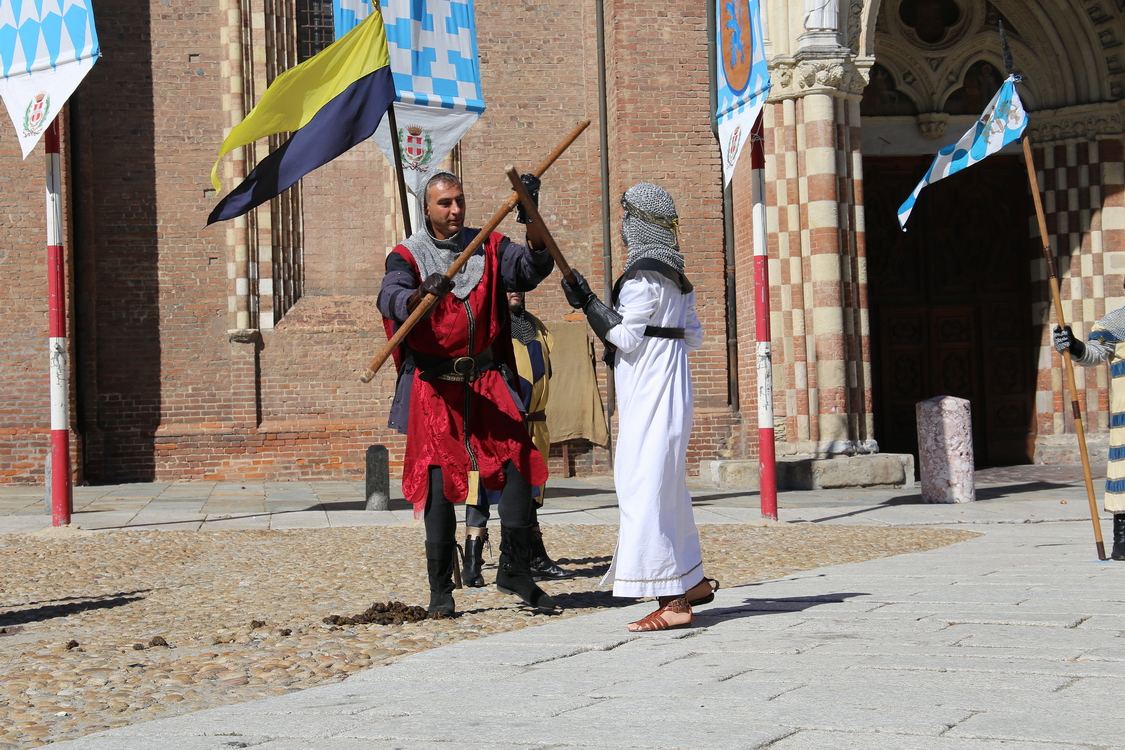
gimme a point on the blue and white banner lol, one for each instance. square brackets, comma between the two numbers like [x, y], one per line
[436, 70]
[46, 48]
[743, 78]
[1003, 122]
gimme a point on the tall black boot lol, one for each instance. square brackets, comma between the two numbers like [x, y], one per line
[1118, 552]
[441, 562]
[475, 539]
[514, 574]
[543, 568]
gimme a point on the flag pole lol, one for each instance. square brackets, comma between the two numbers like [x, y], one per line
[1076, 410]
[59, 474]
[392, 123]
[767, 458]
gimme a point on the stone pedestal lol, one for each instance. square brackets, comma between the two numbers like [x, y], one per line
[945, 450]
[378, 485]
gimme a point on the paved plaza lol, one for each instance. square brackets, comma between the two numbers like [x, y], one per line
[1011, 639]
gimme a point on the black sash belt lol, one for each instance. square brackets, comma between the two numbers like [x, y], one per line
[456, 370]
[664, 333]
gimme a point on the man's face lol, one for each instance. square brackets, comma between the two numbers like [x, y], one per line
[515, 302]
[445, 208]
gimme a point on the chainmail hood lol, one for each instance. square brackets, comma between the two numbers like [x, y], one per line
[436, 256]
[650, 227]
[1114, 323]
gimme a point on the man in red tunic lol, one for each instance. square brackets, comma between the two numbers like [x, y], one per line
[455, 396]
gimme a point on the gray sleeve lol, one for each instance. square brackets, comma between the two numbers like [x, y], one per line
[1097, 351]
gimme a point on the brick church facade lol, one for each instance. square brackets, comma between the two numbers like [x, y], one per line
[233, 352]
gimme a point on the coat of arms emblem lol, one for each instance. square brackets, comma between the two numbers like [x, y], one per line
[417, 147]
[35, 117]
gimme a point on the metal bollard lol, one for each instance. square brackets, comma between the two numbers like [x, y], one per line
[378, 489]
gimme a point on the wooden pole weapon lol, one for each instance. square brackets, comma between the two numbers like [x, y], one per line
[428, 300]
[1053, 276]
[544, 233]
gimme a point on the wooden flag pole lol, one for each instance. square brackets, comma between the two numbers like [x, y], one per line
[400, 177]
[428, 300]
[1053, 276]
[537, 220]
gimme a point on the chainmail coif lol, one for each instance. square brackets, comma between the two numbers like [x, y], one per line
[436, 256]
[650, 227]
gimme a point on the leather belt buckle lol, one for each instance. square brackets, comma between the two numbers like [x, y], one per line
[464, 366]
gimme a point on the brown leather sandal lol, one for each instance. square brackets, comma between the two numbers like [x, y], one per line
[655, 621]
[712, 587]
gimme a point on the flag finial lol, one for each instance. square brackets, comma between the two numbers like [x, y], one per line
[1006, 51]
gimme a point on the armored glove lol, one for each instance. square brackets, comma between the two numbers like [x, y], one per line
[1064, 340]
[531, 183]
[601, 316]
[436, 284]
[578, 294]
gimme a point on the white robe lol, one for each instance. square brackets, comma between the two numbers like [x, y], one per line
[658, 550]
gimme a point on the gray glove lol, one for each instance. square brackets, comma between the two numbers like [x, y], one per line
[1063, 339]
[602, 318]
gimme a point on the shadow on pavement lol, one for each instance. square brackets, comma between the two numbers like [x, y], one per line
[38, 614]
[756, 607]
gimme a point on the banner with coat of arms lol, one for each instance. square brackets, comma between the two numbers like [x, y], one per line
[436, 70]
[742, 77]
[46, 48]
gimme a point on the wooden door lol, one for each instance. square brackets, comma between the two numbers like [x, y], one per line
[950, 302]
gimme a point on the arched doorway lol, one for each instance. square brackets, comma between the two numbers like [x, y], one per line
[951, 302]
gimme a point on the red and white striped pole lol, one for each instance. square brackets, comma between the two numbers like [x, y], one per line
[61, 498]
[767, 459]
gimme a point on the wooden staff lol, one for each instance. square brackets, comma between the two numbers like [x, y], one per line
[537, 220]
[1052, 274]
[428, 300]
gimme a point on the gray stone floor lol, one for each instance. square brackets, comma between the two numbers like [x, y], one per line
[1011, 640]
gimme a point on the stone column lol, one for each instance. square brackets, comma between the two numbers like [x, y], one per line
[945, 450]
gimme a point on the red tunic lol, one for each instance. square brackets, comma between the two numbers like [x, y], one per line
[438, 432]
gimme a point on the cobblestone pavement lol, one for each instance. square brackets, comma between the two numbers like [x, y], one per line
[242, 612]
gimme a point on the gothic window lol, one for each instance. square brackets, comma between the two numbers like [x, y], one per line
[930, 19]
[315, 27]
[982, 81]
[882, 98]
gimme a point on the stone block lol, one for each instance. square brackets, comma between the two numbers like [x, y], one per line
[807, 473]
[945, 450]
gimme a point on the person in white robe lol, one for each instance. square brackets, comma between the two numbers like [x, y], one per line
[648, 332]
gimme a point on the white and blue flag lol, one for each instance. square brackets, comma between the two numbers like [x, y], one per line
[436, 70]
[743, 77]
[1003, 122]
[46, 48]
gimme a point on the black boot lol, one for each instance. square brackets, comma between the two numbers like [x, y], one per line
[441, 562]
[475, 539]
[514, 574]
[543, 568]
[1118, 552]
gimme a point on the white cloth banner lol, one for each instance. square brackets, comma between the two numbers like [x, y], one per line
[425, 135]
[743, 78]
[46, 48]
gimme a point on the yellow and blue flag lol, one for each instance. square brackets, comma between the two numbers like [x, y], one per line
[331, 102]
[1003, 122]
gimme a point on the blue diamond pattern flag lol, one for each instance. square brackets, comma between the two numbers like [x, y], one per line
[46, 48]
[1003, 122]
[743, 77]
[436, 70]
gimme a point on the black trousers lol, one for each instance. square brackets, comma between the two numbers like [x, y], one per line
[516, 507]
